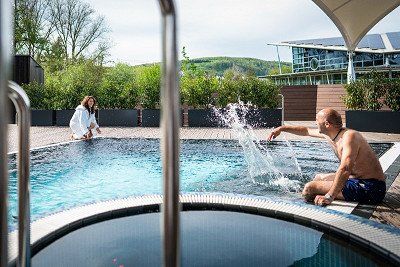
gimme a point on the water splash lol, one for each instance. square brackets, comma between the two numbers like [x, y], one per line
[265, 168]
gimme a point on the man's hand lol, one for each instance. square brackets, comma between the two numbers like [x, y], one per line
[274, 134]
[321, 200]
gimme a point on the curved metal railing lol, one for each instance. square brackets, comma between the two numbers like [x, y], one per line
[170, 121]
[22, 105]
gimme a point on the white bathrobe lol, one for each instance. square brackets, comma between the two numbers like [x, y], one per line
[80, 122]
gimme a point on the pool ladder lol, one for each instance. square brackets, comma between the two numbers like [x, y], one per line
[170, 121]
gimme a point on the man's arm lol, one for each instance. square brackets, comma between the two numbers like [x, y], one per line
[349, 154]
[297, 130]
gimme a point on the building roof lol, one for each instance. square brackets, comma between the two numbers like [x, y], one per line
[372, 43]
[354, 18]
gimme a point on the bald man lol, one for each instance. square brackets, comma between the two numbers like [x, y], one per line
[359, 177]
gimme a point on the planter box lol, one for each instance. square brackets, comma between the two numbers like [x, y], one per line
[118, 117]
[42, 117]
[203, 118]
[373, 121]
[259, 118]
[64, 116]
[256, 118]
[151, 118]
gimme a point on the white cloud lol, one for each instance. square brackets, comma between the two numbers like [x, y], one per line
[218, 27]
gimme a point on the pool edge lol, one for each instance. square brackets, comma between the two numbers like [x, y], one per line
[382, 240]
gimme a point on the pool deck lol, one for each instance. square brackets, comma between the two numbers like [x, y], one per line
[388, 212]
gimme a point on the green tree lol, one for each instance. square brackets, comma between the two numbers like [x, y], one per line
[32, 27]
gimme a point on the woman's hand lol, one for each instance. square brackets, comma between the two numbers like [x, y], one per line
[98, 130]
[274, 134]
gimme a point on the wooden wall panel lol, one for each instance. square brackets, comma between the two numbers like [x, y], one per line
[300, 102]
[331, 96]
[304, 101]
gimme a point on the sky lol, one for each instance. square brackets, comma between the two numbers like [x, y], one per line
[209, 28]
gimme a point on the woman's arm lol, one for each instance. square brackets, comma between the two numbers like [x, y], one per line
[94, 123]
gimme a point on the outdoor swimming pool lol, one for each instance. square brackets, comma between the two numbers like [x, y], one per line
[77, 173]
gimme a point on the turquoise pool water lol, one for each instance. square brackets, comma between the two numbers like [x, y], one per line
[78, 173]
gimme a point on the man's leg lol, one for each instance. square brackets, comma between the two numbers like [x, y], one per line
[313, 188]
[325, 176]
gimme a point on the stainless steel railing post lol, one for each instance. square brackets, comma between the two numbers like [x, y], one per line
[21, 102]
[170, 122]
[283, 108]
[5, 70]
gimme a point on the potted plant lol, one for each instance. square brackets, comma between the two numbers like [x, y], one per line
[261, 98]
[365, 98]
[148, 83]
[117, 97]
[198, 91]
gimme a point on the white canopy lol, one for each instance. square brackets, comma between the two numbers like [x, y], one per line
[354, 18]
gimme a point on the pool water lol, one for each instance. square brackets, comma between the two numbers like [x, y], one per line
[208, 238]
[101, 169]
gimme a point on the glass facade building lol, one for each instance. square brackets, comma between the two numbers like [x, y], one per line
[315, 64]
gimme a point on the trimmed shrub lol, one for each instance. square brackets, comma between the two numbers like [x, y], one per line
[371, 92]
[197, 91]
[69, 86]
[355, 97]
[39, 96]
[148, 83]
[392, 99]
[118, 88]
[248, 88]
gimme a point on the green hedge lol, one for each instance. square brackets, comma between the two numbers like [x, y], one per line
[148, 85]
[248, 88]
[118, 89]
[124, 87]
[372, 92]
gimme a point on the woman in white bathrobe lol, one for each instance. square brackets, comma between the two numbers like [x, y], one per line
[83, 121]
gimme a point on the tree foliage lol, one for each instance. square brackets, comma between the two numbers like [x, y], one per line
[59, 30]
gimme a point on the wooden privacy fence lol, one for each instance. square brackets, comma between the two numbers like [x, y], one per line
[302, 102]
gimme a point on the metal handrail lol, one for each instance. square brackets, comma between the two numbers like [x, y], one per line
[5, 71]
[22, 105]
[170, 122]
[283, 108]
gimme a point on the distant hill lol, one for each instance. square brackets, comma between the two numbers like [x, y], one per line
[219, 65]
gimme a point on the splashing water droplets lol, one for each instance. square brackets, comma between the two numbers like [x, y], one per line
[264, 168]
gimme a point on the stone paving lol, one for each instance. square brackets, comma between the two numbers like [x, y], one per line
[42, 136]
